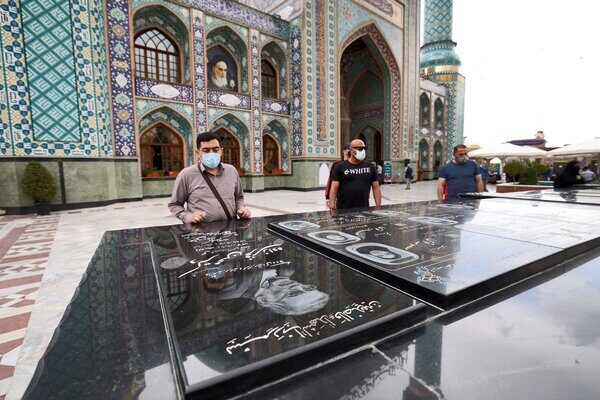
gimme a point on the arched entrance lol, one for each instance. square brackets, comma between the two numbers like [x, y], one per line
[370, 91]
[362, 97]
[230, 148]
[161, 151]
[270, 154]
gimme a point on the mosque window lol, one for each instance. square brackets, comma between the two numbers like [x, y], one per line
[268, 79]
[424, 110]
[230, 148]
[439, 114]
[270, 153]
[156, 57]
[162, 151]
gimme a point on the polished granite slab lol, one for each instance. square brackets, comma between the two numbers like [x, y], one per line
[447, 254]
[538, 341]
[227, 309]
[111, 342]
[541, 344]
[589, 196]
[246, 306]
[209, 312]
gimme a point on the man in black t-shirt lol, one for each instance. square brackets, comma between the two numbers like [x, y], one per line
[353, 179]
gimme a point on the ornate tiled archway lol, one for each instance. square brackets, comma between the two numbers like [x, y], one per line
[393, 96]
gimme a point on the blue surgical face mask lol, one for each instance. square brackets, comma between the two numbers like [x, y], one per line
[461, 160]
[211, 160]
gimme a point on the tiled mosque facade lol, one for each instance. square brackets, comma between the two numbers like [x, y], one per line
[80, 93]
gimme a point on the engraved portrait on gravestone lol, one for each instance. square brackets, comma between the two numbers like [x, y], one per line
[271, 288]
[333, 237]
[298, 225]
[381, 253]
[433, 220]
[222, 70]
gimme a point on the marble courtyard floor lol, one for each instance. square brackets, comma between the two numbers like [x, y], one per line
[42, 260]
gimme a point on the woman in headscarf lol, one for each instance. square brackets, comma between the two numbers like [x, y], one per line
[569, 175]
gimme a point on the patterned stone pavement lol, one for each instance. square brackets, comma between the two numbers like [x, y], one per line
[25, 244]
[42, 260]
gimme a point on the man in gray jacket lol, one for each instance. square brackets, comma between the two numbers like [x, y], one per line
[191, 187]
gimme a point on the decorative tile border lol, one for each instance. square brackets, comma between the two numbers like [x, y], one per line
[214, 22]
[216, 113]
[121, 75]
[182, 12]
[275, 106]
[142, 107]
[331, 81]
[366, 114]
[256, 123]
[9, 23]
[163, 91]
[228, 99]
[103, 117]
[200, 72]
[243, 15]
[297, 87]
[320, 65]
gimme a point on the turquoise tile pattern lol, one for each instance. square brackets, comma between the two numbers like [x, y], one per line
[50, 70]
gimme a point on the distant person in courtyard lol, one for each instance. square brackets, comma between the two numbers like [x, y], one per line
[460, 175]
[224, 200]
[408, 175]
[587, 174]
[485, 175]
[345, 156]
[569, 176]
[353, 180]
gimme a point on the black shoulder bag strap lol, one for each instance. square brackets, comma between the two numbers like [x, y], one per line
[215, 192]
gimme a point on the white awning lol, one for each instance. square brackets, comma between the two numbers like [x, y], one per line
[504, 150]
[587, 147]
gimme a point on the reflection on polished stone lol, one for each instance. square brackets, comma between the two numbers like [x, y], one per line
[363, 375]
[448, 254]
[111, 342]
[240, 297]
[542, 344]
[589, 196]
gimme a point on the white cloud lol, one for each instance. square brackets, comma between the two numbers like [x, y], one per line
[529, 66]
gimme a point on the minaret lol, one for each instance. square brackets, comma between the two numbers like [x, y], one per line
[440, 64]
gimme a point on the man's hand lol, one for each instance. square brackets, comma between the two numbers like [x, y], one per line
[244, 213]
[197, 216]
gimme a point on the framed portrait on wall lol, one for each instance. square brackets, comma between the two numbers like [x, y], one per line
[222, 69]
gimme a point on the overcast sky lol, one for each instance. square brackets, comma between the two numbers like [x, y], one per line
[530, 65]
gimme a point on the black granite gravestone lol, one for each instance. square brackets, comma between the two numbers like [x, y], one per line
[445, 254]
[225, 308]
